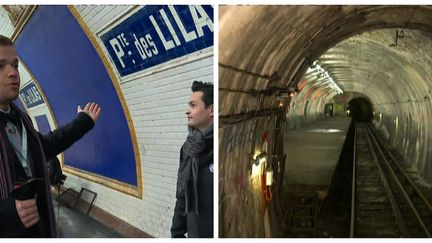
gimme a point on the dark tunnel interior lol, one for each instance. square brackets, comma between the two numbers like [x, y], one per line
[360, 110]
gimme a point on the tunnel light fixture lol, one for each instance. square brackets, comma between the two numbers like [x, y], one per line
[262, 158]
[255, 155]
[287, 92]
[279, 102]
[256, 170]
[258, 159]
[325, 74]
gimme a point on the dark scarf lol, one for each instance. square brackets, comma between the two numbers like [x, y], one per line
[193, 156]
[7, 168]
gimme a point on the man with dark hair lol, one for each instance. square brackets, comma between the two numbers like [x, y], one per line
[25, 200]
[206, 89]
[193, 213]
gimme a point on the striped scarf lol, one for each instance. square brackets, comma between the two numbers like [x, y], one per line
[7, 170]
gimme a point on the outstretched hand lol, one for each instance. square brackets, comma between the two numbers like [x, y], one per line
[91, 109]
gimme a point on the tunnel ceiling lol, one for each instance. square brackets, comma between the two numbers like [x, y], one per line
[385, 68]
[263, 46]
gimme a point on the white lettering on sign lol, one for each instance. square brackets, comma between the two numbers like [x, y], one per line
[170, 27]
[115, 44]
[188, 36]
[118, 44]
[165, 23]
[143, 46]
[200, 22]
[200, 19]
[167, 44]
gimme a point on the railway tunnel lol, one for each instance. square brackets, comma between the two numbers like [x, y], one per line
[293, 83]
[360, 109]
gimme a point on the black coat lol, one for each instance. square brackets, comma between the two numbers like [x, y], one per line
[52, 144]
[196, 225]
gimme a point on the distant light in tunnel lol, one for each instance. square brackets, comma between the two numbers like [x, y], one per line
[320, 130]
[280, 103]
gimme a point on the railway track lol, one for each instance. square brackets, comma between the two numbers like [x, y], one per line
[385, 201]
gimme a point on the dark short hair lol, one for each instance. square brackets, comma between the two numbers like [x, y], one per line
[6, 41]
[207, 89]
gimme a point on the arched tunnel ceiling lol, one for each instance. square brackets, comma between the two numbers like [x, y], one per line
[373, 64]
[283, 41]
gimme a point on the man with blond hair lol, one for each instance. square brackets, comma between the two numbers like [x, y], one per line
[26, 208]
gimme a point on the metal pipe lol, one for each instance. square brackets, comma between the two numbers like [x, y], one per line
[272, 77]
[238, 118]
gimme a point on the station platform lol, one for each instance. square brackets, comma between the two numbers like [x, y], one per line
[313, 151]
[73, 223]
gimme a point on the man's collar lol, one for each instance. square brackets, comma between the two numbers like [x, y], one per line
[7, 111]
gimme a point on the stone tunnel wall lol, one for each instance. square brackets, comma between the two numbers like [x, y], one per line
[241, 212]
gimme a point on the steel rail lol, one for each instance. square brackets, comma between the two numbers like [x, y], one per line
[406, 176]
[397, 180]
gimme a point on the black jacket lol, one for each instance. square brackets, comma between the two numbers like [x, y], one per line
[52, 143]
[196, 225]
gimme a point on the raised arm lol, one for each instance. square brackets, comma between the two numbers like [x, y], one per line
[62, 138]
